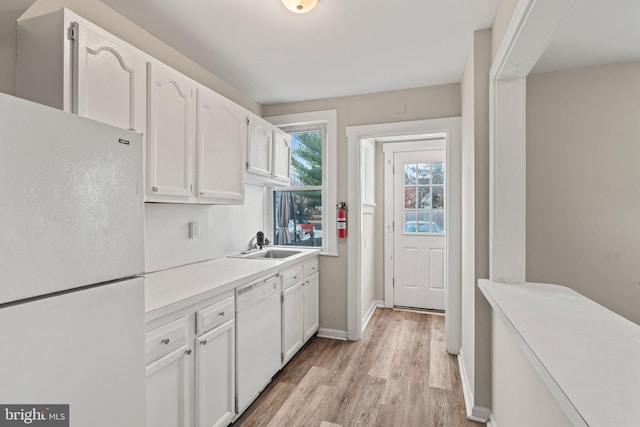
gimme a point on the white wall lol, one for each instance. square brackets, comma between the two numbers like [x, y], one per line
[520, 397]
[476, 312]
[368, 278]
[421, 103]
[583, 183]
[223, 230]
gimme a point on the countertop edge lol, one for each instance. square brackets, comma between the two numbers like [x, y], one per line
[271, 266]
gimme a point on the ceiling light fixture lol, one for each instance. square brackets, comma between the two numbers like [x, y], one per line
[300, 6]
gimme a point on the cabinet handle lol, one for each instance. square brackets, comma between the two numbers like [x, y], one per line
[203, 342]
[295, 277]
[165, 341]
[154, 189]
[187, 352]
[221, 314]
[202, 193]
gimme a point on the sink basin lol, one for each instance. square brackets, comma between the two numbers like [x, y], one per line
[268, 254]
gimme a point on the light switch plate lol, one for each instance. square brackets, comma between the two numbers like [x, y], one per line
[194, 230]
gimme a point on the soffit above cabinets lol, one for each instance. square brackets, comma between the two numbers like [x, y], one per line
[594, 32]
[340, 48]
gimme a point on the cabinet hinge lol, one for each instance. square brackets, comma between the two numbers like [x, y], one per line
[282, 297]
[71, 32]
[248, 121]
[281, 357]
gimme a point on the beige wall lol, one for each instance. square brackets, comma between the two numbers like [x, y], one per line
[421, 103]
[105, 17]
[476, 313]
[583, 183]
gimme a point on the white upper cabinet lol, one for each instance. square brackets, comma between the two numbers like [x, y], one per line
[260, 146]
[68, 63]
[109, 78]
[281, 155]
[268, 152]
[170, 134]
[221, 136]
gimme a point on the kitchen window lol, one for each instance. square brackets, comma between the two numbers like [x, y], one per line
[303, 214]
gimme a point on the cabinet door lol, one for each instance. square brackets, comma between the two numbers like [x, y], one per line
[170, 133]
[215, 376]
[281, 155]
[222, 136]
[259, 146]
[311, 298]
[292, 332]
[108, 80]
[169, 387]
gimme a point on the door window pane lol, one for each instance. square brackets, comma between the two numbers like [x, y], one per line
[424, 197]
[410, 197]
[424, 176]
[410, 174]
[438, 172]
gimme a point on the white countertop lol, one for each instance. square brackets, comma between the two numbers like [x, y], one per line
[171, 290]
[588, 356]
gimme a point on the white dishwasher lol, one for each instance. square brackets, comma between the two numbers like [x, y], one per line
[258, 337]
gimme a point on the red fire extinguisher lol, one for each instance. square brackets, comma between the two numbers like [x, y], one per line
[341, 220]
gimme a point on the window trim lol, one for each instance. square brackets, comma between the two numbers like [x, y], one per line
[316, 119]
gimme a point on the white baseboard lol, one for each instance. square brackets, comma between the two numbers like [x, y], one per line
[334, 334]
[474, 413]
[491, 422]
[367, 316]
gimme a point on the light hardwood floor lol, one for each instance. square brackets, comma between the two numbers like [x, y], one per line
[398, 375]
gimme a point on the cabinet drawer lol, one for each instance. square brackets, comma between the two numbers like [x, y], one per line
[311, 267]
[291, 276]
[166, 338]
[214, 315]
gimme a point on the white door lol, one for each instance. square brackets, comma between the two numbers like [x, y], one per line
[215, 376]
[170, 132]
[221, 138]
[109, 81]
[419, 229]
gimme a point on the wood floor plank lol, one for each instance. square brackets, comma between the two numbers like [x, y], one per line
[398, 374]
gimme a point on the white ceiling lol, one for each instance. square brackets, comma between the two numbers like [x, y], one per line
[594, 32]
[342, 47]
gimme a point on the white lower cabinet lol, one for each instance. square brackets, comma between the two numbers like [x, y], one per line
[191, 366]
[292, 332]
[300, 307]
[169, 384]
[215, 376]
[310, 298]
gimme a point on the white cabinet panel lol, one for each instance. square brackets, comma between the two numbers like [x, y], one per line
[260, 145]
[215, 376]
[221, 138]
[292, 321]
[311, 298]
[169, 386]
[281, 155]
[108, 80]
[170, 133]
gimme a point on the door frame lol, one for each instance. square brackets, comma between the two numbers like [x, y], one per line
[390, 148]
[388, 131]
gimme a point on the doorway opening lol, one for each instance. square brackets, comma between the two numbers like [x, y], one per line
[405, 225]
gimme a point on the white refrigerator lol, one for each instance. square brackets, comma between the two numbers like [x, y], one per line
[71, 252]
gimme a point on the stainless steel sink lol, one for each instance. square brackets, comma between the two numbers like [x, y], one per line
[267, 254]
